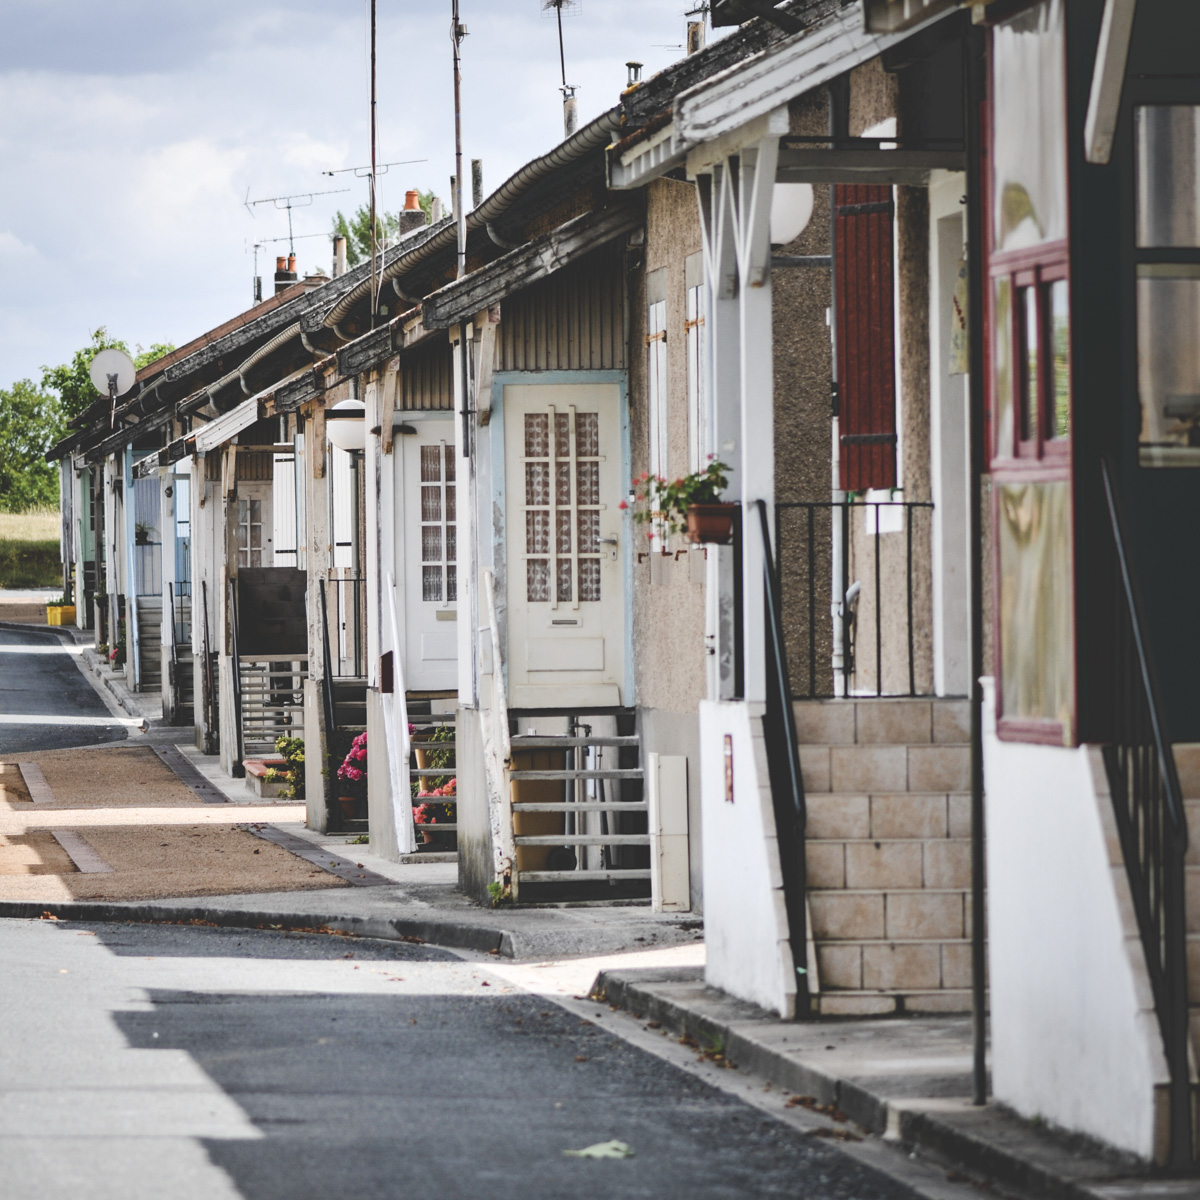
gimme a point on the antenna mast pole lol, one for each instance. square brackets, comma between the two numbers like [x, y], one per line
[457, 33]
[376, 278]
[562, 54]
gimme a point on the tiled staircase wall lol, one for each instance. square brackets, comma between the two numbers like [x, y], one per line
[887, 783]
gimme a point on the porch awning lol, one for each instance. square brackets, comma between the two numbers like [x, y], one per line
[763, 84]
[217, 432]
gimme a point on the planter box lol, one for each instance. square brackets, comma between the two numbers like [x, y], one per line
[60, 614]
[710, 524]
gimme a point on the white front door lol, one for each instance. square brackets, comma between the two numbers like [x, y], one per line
[566, 602]
[426, 559]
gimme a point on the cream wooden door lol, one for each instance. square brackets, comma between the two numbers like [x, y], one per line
[427, 557]
[566, 602]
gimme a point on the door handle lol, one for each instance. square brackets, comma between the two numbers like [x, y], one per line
[609, 542]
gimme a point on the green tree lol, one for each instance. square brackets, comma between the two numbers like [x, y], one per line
[356, 229]
[30, 423]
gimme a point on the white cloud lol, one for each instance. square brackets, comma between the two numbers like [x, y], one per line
[12, 247]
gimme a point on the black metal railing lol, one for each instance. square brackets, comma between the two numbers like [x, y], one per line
[862, 629]
[1152, 824]
[783, 765]
[342, 598]
[210, 683]
[238, 768]
[327, 672]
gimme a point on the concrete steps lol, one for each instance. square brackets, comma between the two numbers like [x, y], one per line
[888, 851]
[149, 619]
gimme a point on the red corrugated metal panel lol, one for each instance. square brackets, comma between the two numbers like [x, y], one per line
[866, 353]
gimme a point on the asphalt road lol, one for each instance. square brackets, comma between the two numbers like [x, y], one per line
[45, 702]
[204, 1064]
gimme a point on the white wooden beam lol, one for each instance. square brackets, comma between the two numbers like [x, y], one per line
[764, 82]
[1108, 80]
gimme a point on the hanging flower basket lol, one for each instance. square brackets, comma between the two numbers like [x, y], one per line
[710, 524]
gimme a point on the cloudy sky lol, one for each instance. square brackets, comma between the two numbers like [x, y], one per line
[131, 132]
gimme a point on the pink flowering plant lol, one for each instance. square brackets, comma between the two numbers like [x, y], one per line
[354, 766]
[658, 502]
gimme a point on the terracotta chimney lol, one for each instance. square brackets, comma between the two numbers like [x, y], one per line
[285, 273]
[412, 216]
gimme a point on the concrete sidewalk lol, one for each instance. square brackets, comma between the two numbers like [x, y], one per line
[906, 1079]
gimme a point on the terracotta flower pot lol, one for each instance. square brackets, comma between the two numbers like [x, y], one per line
[349, 806]
[710, 524]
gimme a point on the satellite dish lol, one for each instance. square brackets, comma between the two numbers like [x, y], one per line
[108, 365]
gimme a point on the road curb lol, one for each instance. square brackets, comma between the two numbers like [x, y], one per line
[989, 1141]
[458, 935]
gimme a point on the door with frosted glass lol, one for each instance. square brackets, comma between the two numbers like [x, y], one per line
[566, 600]
[428, 558]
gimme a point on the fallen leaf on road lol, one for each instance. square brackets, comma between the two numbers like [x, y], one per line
[840, 1135]
[47, 916]
[613, 1149]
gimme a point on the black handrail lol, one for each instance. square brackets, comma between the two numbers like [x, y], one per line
[174, 640]
[1152, 825]
[210, 694]
[238, 769]
[783, 765]
[327, 682]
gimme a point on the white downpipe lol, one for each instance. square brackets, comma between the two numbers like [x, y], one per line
[395, 724]
[497, 752]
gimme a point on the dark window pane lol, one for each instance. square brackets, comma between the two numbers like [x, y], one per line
[1058, 415]
[1168, 175]
[1027, 300]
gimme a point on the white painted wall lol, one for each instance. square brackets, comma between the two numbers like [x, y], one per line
[1074, 1036]
[745, 919]
[949, 449]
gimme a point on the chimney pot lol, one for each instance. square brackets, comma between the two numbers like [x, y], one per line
[476, 182]
[339, 255]
[291, 264]
[412, 201]
[635, 73]
[281, 263]
[695, 37]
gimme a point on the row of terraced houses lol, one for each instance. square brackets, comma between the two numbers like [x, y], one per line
[921, 734]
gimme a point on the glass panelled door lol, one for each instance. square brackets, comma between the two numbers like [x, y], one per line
[427, 556]
[566, 599]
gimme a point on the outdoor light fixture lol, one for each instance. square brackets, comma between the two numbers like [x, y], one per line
[791, 211]
[345, 425]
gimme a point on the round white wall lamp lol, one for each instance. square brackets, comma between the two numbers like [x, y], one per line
[791, 211]
[345, 425]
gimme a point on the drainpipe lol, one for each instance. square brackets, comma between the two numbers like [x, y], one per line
[838, 109]
[973, 51]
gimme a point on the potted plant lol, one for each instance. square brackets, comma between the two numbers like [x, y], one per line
[691, 504]
[61, 611]
[141, 533]
[436, 807]
[291, 774]
[353, 776]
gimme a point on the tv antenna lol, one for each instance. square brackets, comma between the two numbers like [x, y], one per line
[297, 200]
[113, 374]
[261, 242]
[381, 169]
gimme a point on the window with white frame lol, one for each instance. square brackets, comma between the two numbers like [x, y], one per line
[439, 574]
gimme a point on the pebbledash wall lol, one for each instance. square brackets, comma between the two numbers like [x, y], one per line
[1074, 1037]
